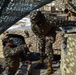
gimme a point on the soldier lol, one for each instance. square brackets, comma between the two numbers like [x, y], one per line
[12, 55]
[46, 35]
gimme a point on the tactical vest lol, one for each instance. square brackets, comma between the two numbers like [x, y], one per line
[40, 25]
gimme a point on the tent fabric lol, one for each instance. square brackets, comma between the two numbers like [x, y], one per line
[12, 11]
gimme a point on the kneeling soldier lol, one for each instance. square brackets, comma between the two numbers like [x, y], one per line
[12, 55]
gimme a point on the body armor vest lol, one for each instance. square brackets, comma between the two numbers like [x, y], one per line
[40, 24]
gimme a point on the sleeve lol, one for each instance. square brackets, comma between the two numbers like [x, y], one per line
[14, 51]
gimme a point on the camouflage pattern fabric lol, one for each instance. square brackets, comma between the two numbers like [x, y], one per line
[44, 24]
[40, 25]
[45, 45]
[41, 46]
[43, 28]
[51, 37]
[11, 54]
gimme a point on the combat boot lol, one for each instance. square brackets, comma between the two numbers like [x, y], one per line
[40, 63]
[49, 68]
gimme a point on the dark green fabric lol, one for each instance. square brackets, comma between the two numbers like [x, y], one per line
[12, 11]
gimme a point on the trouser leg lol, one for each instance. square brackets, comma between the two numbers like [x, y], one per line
[41, 47]
[49, 49]
[49, 52]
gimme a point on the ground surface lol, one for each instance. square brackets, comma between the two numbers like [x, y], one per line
[56, 69]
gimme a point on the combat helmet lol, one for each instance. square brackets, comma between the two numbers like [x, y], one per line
[6, 39]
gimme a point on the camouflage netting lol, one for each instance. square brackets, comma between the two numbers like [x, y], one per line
[13, 10]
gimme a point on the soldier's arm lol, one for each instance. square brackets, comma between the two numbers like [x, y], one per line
[14, 51]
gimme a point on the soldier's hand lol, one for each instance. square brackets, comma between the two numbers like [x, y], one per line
[47, 38]
[28, 44]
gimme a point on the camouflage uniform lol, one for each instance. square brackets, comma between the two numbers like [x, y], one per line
[42, 29]
[45, 45]
[49, 43]
[41, 46]
[12, 56]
